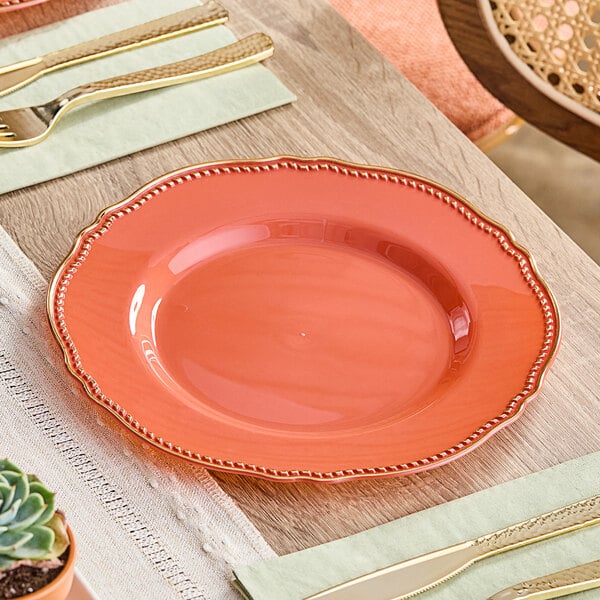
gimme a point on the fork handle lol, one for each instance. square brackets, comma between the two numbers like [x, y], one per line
[185, 21]
[555, 585]
[249, 50]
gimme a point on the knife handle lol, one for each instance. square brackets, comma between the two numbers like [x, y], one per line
[247, 51]
[566, 519]
[186, 21]
[577, 579]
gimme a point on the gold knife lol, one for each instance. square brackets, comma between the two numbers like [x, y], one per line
[570, 581]
[408, 578]
[15, 76]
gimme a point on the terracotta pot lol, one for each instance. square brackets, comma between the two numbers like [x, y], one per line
[59, 588]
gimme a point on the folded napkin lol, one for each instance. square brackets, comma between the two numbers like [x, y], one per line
[109, 129]
[148, 525]
[301, 574]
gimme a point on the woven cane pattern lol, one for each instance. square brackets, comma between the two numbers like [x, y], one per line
[559, 40]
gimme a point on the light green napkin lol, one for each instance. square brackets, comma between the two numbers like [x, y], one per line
[103, 131]
[298, 575]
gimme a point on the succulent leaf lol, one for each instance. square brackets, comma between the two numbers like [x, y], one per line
[6, 465]
[20, 481]
[7, 494]
[9, 516]
[11, 540]
[32, 533]
[6, 563]
[29, 513]
[61, 537]
[37, 547]
[36, 487]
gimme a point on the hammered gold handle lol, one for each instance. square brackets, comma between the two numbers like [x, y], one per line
[563, 520]
[577, 579]
[186, 21]
[249, 50]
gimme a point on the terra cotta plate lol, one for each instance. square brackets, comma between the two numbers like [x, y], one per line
[8, 5]
[304, 319]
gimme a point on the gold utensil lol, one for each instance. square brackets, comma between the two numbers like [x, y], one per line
[28, 126]
[570, 581]
[409, 578]
[19, 74]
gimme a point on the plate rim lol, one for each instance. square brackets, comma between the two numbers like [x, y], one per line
[18, 4]
[174, 177]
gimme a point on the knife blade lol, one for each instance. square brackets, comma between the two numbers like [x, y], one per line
[411, 577]
[17, 75]
[562, 583]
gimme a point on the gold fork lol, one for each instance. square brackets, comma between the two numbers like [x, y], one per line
[30, 125]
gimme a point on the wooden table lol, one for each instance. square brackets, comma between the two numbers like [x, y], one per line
[354, 105]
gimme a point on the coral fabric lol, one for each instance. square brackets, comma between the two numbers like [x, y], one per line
[412, 36]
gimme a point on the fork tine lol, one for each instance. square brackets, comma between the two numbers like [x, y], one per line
[20, 126]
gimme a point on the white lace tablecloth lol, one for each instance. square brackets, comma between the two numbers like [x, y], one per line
[148, 525]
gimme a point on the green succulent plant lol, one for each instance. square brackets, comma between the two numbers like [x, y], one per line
[32, 532]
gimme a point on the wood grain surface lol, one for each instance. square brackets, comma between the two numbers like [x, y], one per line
[482, 55]
[354, 105]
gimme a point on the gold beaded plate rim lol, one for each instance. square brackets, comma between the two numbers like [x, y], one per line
[463, 207]
[542, 86]
[10, 5]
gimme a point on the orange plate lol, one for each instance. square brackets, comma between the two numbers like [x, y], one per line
[301, 318]
[7, 5]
